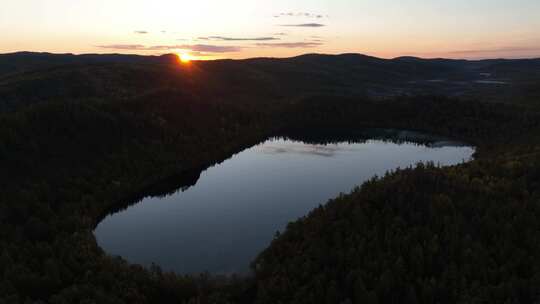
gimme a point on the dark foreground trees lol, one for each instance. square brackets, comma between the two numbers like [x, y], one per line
[422, 235]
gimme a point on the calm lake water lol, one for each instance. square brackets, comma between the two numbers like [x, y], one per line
[234, 210]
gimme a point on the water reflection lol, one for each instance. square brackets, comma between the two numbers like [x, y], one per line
[235, 208]
[329, 150]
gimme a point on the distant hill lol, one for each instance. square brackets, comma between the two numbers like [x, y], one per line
[26, 78]
[30, 61]
[12, 63]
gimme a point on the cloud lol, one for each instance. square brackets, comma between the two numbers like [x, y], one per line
[123, 46]
[303, 25]
[211, 48]
[280, 34]
[299, 14]
[285, 15]
[205, 48]
[290, 45]
[141, 32]
[222, 38]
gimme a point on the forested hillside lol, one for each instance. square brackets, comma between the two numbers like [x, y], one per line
[45, 76]
[80, 140]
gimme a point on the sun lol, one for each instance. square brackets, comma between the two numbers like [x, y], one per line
[185, 57]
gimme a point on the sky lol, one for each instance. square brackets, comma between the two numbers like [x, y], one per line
[212, 29]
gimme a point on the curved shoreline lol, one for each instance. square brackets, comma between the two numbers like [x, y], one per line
[65, 230]
[364, 137]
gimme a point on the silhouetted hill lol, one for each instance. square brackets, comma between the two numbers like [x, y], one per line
[26, 78]
[29, 61]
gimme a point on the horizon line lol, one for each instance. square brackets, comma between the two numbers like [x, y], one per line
[278, 57]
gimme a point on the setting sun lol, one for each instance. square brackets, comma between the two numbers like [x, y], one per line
[185, 58]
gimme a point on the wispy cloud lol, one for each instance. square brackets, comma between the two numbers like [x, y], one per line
[205, 48]
[141, 32]
[299, 14]
[211, 48]
[316, 39]
[280, 34]
[132, 47]
[290, 45]
[222, 38]
[304, 25]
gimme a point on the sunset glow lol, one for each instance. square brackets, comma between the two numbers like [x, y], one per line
[185, 57]
[210, 29]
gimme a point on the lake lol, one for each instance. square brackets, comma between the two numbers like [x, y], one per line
[235, 208]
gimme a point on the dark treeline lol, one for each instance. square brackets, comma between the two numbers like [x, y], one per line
[484, 124]
[66, 165]
[333, 135]
[422, 235]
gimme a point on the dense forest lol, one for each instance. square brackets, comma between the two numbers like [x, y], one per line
[82, 139]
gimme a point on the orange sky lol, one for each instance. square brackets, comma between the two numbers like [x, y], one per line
[279, 28]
